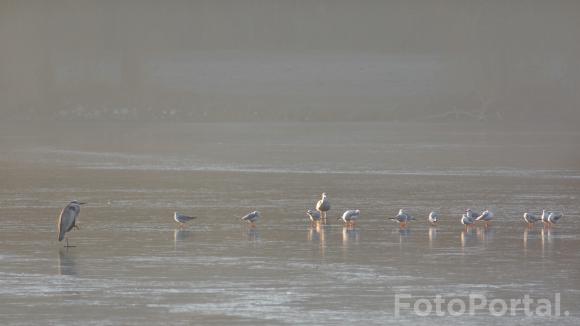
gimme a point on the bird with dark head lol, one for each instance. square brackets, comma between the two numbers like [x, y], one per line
[313, 215]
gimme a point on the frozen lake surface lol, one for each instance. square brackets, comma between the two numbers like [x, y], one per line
[133, 266]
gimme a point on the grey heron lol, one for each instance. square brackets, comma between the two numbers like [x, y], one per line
[67, 219]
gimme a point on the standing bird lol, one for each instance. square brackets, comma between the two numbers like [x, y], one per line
[323, 206]
[470, 213]
[485, 216]
[182, 219]
[530, 219]
[350, 216]
[313, 215]
[544, 216]
[67, 219]
[550, 218]
[433, 217]
[251, 218]
[403, 218]
[466, 220]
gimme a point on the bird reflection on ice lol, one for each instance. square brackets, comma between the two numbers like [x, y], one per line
[181, 235]
[349, 236]
[66, 263]
[432, 235]
[485, 234]
[253, 235]
[547, 239]
[467, 237]
[318, 233]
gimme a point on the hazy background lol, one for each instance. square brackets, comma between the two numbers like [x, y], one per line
[218, 108]
[500, 61]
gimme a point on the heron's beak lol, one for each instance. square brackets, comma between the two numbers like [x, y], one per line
[82, 203]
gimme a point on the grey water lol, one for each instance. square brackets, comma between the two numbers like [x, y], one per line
[132, 265]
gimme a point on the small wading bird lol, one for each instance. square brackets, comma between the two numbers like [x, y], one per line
[323, 206]
[313, 215]
[251, 218]
[67, 220]
[486, 216]
[470, 213]
[349, 217]
[466, 220]
[550, 218]
[530, 218]
[182, 219]
[433, 217]
[403, 218]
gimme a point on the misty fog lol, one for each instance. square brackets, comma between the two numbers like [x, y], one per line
[144, 109]
[495, 61]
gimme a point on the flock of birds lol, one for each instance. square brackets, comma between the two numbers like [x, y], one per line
[69, 214]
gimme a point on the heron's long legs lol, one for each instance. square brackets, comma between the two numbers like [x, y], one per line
[67, 245]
